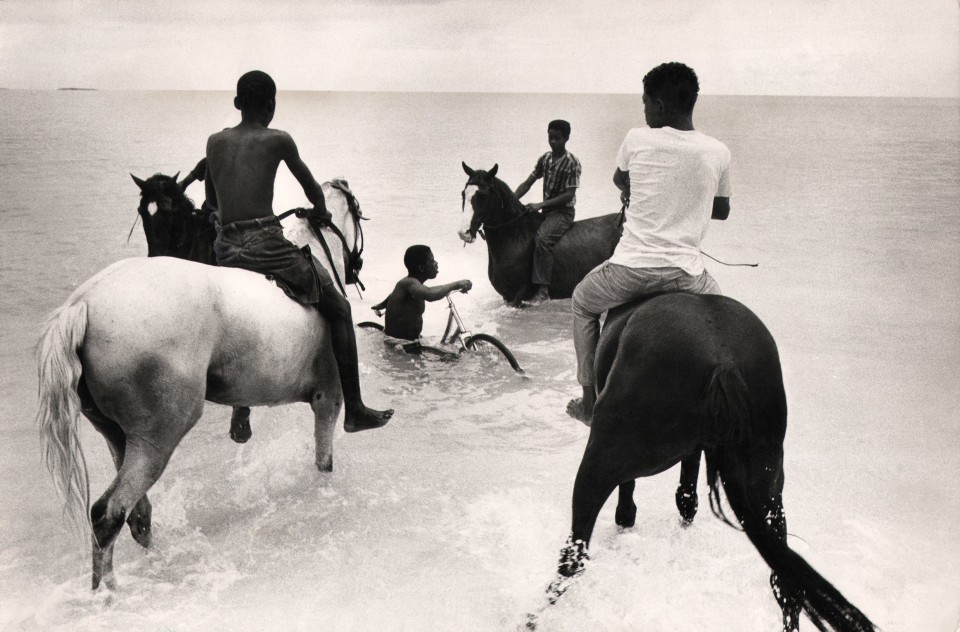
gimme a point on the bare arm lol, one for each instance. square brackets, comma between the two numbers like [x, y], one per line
[525, 186]
[198, 173]
[721, 208]
[622, 181]
[437, 292]
[559, 200]
[311, 188]
[210, 191]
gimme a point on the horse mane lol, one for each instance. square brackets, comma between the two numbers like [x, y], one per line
[507, 198]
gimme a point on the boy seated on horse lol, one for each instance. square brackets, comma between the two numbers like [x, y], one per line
[676, 180]
[560, 171]
[407, 302]
[242, 165]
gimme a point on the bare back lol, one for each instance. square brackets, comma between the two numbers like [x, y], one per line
[404, 318]
[242, 163]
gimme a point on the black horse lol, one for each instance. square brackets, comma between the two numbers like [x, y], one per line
[176, 228]
[680, 373]
[509, 229]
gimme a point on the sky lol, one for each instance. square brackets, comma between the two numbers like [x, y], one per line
[898, 48]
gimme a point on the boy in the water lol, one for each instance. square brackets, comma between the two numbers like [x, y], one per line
[242, 165]
[406, 304]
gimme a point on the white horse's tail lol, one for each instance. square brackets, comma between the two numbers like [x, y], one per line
[59, 370]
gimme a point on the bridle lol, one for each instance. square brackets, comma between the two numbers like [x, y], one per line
[353, 259]
[483, 222]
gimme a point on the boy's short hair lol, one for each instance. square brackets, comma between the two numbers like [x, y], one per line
[255, 90]
[561, 126]
[674, 83]
[416, 256]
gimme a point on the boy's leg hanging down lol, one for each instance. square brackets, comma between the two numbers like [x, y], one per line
[555, 225]
[357, 416]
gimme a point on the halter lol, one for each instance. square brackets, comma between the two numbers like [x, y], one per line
[486, 226]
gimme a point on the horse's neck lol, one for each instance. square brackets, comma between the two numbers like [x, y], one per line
[299, 231]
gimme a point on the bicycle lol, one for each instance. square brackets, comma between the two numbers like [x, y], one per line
[457, 332]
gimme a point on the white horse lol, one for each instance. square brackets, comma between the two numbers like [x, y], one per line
[141, 345]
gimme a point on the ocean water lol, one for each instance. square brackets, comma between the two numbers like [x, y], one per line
[452, 516]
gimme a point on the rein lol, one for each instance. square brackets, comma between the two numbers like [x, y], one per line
[354, 258]
[486, 226]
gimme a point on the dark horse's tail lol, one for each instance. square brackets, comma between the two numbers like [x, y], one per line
[727, 400]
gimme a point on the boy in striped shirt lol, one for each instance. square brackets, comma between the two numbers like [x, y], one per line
[560, 171]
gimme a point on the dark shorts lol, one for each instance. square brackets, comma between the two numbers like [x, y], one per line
[258, 245]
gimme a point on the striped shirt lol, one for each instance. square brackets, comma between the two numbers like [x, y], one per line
[559, 174]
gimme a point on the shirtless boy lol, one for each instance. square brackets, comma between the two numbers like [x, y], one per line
[406, 304]
[242, 165]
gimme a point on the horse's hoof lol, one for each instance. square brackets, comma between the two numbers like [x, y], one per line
[241, 432]
[626, 517]
[140, 530]
[687, 503]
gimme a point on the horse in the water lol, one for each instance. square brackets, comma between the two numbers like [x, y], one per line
[175, 228]
[509, 229]
[677, 374]
[141, 345]
[509, 232]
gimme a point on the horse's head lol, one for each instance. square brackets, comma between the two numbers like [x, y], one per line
[168, 215]
[485, 198]
[160, 192]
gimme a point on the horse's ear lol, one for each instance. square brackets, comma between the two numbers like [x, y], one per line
[140, 183]
[176, 176]
[493, 171]
[467, 170]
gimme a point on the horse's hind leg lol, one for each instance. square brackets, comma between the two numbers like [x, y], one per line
[140, 517]
[626, 514]
[159, 428]
[686, 496]
[600, 471]
[240, 430]
[326, 404]
[144, 461]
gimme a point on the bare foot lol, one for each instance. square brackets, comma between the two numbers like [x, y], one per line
[575, 409]
[366, 419]
[240, 430]
[542, 296]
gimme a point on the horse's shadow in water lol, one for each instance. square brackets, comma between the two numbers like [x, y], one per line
[138, 348]
[683, 373]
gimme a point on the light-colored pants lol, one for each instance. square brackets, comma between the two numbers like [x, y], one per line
[609, 285]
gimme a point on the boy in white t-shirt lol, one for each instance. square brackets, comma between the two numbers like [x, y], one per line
[676, 179]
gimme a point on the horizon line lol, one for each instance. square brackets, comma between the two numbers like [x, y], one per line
[511, 92]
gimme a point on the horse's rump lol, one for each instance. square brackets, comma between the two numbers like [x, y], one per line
[670, 345]
[180, 317]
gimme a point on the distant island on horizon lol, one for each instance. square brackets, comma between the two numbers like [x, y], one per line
[81, 89]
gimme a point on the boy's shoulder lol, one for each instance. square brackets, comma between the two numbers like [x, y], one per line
[406, 283]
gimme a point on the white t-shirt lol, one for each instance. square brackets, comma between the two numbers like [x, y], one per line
[674, 176]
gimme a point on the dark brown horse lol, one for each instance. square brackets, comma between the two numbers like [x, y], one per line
[175, 228]
[677, 374]
[509, 229]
